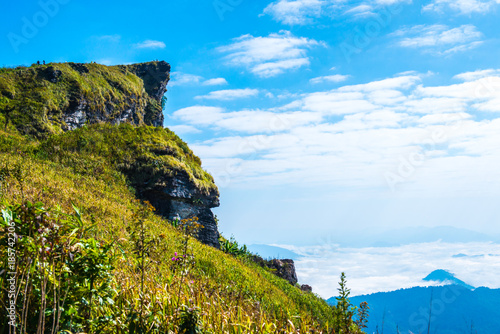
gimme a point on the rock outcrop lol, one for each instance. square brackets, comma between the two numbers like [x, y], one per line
[44, 99]
[306, 288]
[284, 269]
[178, 197]
[137, 109]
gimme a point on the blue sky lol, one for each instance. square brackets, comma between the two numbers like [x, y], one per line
[316, 117]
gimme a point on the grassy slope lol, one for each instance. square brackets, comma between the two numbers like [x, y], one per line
[233, 295]
[143, 154]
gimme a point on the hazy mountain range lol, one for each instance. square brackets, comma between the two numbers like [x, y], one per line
[456, 308]
[412, 235]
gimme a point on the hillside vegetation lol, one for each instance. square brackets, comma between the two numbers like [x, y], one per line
[92, 257]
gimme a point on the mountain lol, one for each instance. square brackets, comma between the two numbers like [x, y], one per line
[273, 252]
[454, 308]
[45, 99]
[446, 278]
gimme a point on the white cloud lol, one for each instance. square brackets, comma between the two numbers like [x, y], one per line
[215, 82]
[249, 121]
[480, 89]
[475, 75]
[463, 48]
[435, 105]
[295, 11]
[272, 69]
[352, 136]
[230, 94]
[490, 105]
[337, 103]
[199, 115]
[400, 82]
[375, 269]
[185, 79]
[330, 78]
[440, 38]
[361, 10]
[461, 6]
[150, 44]
[183, 129]
[271, 55]
[444, 118]
[181, 79]
[302, 12]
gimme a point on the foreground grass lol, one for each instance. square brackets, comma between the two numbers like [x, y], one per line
[33, 98]
[215, 293]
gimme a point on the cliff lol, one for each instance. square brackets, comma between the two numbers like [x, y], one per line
[75, 109]
[47, 99]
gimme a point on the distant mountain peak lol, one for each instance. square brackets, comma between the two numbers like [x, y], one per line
[447, 278]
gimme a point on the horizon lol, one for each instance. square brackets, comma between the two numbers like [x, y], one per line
[321, 121]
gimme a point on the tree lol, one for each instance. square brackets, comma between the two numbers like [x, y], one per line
[344, 312]
[362, 321]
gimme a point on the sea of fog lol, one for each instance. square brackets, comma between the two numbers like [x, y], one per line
[381, 269]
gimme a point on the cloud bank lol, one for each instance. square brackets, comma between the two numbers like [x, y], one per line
[394, 134]
[371, 269]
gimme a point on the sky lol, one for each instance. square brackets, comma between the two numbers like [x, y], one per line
[316, 118]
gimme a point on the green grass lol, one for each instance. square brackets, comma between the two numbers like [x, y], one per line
[90, 168]
[102, 169]
[143, 154]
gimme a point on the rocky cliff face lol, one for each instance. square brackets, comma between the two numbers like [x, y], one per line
[178, 197]
[137, 109]
[284, 269]
[44, 99]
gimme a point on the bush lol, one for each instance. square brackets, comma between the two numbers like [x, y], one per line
[63, 279]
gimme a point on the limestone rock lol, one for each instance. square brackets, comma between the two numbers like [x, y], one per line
[284, 269]
[179, 197]
[45, 99]
[306, 288]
